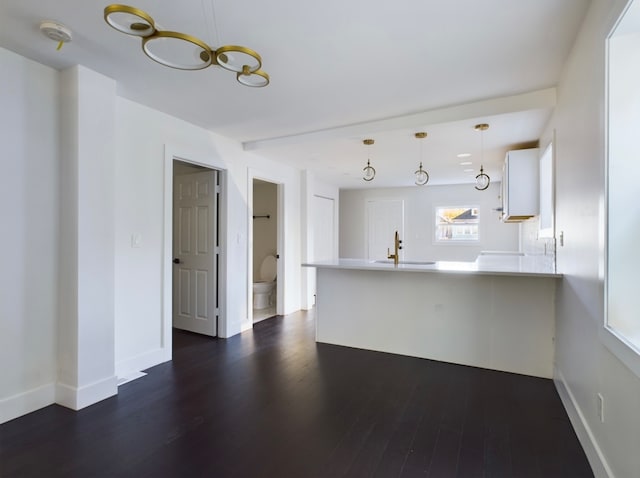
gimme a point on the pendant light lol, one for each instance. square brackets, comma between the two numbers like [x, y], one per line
[422, 177]
[482, 180]
[369, 171]
[185, 52]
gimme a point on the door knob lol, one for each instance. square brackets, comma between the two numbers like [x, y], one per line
[176, 261]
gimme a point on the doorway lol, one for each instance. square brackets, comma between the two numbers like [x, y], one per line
[324, 246]
[264, 250]
[196, 248]
[384, 217]
[323, 210]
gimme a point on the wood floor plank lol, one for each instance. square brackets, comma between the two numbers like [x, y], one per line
[273, 403]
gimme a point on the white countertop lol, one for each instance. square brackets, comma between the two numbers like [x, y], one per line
[509, 265]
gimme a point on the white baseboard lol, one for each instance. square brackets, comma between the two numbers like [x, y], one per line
[122, 379]
[594, 454]
[125, 368]
[77, 398]
[27, 402]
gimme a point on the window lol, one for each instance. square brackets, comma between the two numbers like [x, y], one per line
[622, 320]
[457, 224]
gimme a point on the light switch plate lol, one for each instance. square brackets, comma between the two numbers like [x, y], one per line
[136, 240]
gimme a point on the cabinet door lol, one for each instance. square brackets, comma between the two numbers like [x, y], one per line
[521, 182]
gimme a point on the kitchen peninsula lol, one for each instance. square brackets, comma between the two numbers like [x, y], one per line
[497, 312]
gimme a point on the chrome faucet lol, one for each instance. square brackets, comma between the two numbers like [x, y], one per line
[396, 247]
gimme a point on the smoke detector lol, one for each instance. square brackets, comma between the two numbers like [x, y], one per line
[56, 31]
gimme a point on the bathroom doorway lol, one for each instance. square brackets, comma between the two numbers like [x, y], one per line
[265, 250]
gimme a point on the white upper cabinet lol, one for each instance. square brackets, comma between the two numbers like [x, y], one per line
[520, 185]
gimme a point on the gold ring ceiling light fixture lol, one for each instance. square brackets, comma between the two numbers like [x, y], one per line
[482, 180]
[369, 171]
[185, 52]
[422, 177]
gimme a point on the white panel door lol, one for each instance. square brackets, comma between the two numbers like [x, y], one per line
[323, 229]
[384, 218]
[194, 251]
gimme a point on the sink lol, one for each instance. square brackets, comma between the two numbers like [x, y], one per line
[408, 263]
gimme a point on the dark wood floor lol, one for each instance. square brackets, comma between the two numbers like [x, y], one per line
[273, 403]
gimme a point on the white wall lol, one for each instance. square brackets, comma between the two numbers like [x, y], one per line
[29, 240]
[532, 244]
[30, 190]
[312, 187]
[141, 137]
[85, 326]
[419, 220]
[585, 366]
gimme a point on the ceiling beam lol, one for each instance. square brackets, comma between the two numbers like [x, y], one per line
[540, 99]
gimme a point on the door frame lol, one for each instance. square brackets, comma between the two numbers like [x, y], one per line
[280, 242]
[208, 161]
[368, 202]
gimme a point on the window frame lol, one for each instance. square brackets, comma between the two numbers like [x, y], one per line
[613, 339]
[456, 242]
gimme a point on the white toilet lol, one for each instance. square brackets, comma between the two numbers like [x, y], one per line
[263, 288]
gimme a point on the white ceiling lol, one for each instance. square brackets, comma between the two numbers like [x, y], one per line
[341, 71]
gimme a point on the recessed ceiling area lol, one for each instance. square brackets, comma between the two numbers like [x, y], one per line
[340, 72]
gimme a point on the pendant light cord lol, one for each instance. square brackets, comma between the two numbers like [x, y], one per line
[210, 21]
[481, 147]
[216, 31]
